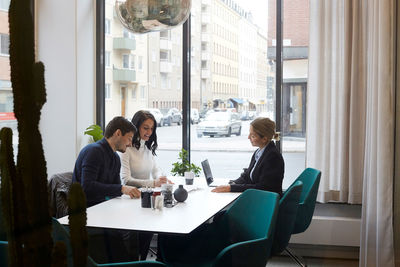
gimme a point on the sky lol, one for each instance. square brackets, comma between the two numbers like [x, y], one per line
[259, 9]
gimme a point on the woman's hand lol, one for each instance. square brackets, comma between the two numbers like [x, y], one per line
[161, 180]
[222, 188]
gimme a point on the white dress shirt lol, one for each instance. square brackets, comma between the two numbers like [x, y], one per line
[137, 165]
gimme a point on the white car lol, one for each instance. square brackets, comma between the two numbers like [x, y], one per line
[220, 124]
[157, 115]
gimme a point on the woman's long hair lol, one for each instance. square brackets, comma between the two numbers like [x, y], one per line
[137, 120]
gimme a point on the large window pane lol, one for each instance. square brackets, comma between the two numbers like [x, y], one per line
[145, 72]
[229, 81]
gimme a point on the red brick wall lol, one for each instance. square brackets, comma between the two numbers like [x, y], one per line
[295, 21]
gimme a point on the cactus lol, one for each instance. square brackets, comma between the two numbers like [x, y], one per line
[77, 222]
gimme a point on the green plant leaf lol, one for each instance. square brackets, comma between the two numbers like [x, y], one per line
[95, 132]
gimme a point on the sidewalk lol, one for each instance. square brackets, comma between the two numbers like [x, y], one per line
[288, 145]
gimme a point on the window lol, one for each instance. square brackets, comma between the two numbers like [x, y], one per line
[220, 35]
[107, 27]
[4, 44]
[107, 59]
[4, 4]
[107, 93]
[164, 55]
[132, 65]
[134, 92]
[125, 61]
[140, 63]
[142, 92]
[165, 35]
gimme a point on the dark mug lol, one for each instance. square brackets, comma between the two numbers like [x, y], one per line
[146, 199]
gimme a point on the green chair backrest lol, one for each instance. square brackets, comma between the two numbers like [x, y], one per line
[251, 222]
[251, 207]
[287, 212]
[3, 253]
[310, 178]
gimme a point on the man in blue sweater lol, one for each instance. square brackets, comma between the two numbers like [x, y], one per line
[98, 165]
[97, 170]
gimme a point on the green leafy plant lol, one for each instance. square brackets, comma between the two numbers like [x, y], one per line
[95, 132]
[183, 165]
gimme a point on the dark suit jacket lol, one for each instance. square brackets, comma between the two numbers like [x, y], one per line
[267, 175]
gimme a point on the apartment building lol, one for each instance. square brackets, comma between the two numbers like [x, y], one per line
[6, 99]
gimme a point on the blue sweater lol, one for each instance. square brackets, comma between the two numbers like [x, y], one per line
[97, 170]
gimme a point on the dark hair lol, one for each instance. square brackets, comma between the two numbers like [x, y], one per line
[119, 123]
[137, 120]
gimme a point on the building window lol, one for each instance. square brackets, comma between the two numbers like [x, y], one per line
[204, 64]
[4, 44]
[164, 55]
[142, 92]
[164, 80]
[125, 61]
[140, 63]
[107, 59]
[133, 59]
[4, 4]
[134, 92]
[165, 35]
[107, 27]
[107, 92]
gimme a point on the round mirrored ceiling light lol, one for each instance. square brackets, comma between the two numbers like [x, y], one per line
[141, 16]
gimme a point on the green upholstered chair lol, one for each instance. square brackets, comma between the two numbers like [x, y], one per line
[310, 178]
[61, 234]
[3, 253]
[241, 237]
[288, 206]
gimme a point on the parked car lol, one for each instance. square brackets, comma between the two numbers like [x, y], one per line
[194, 116]
[220, 124]
[157, 115]
[170, 116]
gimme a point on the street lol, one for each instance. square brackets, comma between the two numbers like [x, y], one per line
[227, 155]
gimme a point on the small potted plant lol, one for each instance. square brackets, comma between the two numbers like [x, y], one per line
[95, 132]
[183, 165]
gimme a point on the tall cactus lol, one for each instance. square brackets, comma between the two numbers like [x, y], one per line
[25, 196]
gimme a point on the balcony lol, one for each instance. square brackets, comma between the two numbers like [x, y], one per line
[205, 74]
[124, 43]
[165, 44]
[124, 75]
[205, 18]
[205, 55]
[165, 67]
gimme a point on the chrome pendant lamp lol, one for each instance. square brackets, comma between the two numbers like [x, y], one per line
[141, 16]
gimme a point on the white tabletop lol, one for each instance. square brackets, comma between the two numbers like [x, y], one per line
[125, 213]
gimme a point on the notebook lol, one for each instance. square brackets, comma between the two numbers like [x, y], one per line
[209, 177]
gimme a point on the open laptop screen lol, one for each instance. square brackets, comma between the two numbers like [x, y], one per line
[207, 171]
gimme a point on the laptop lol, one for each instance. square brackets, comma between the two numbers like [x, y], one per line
[209, 177]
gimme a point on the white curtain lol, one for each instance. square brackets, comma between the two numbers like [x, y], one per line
[350, 129]
[336, 98]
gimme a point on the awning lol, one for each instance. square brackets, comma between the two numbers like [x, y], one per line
[237, 100]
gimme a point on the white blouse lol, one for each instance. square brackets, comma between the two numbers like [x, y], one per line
[137, 165]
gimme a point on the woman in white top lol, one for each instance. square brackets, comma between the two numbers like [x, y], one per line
[138, 163]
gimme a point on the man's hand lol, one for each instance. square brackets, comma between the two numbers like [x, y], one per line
[131, 191]
[222, 188]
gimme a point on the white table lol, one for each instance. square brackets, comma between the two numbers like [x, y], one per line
[125, 213]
